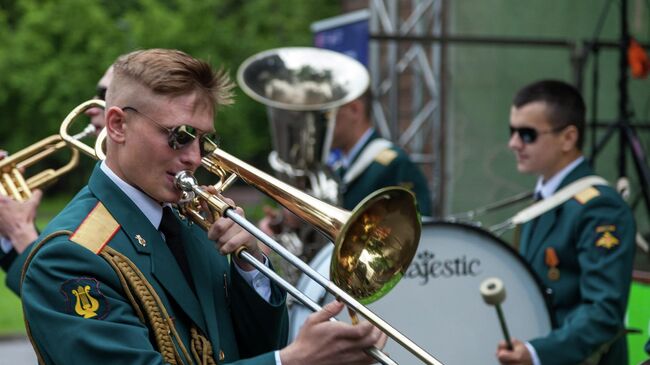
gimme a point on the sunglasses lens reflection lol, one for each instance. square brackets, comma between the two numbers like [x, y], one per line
[527, 135]
[183, 135]
[180, 136]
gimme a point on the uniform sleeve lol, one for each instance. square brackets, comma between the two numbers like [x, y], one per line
[76, 311]
[605, 233]
[260, 326]
[403, 172]
[15, 268]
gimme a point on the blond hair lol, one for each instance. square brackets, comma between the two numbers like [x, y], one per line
[171, 72]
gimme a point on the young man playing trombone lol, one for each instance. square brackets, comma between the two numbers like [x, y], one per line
[118, 277]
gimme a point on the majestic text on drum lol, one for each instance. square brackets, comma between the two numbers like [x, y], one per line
[426, 266]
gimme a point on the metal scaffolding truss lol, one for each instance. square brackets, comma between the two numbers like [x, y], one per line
[405, 81]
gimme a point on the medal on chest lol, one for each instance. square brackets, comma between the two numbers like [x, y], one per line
[552, 262]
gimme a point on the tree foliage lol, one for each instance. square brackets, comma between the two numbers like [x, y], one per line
[53, 52]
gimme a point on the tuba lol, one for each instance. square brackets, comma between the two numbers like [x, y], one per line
[302, 89]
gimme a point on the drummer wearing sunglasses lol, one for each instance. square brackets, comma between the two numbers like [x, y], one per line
[583, 248]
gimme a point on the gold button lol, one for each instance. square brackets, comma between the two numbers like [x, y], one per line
[221, 355]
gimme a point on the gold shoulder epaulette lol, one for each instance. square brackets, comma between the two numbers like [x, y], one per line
[96, 230]
[586, 195]
[386, 156]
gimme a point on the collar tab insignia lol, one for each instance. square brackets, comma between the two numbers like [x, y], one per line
[141, 240]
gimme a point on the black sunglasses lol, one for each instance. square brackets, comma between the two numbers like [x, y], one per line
[182, 135]
[100, 93]
[529, 135]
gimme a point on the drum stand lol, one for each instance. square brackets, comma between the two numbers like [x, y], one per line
[628, 138]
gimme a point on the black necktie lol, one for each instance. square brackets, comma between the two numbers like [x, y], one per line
[170, 227]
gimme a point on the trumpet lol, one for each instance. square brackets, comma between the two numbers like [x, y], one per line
[375, 243]
[97, 152]
[20, 188]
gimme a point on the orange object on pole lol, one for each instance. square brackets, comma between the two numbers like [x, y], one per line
[638, 60]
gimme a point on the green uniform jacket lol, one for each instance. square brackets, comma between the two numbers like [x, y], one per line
[395, 170]
[593, 241]
[237, 321]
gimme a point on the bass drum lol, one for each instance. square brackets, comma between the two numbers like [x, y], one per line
[438, 304]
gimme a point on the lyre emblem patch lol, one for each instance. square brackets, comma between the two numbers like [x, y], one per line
[83, 297]
[86, 305]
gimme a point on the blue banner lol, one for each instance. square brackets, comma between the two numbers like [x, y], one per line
[347, 34]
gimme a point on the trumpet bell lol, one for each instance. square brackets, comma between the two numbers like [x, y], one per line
[376, 245]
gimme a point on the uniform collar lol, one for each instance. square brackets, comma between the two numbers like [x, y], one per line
[149, 207]
[546, 189]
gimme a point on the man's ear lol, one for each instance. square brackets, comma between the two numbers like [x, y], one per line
[356, 107]
[116, 124]
[569, 138]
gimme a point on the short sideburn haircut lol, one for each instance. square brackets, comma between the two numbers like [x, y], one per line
[174, 73]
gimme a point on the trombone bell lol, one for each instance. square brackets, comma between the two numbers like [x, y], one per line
[375, 243]
[375, 247]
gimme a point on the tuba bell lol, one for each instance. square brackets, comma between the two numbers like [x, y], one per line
[303, 88]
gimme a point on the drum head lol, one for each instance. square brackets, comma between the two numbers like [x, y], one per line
[438, 304]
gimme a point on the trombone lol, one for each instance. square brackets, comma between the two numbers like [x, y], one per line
[14, 183]
[375, 243]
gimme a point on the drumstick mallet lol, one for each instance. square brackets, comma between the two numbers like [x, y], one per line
[494, 293]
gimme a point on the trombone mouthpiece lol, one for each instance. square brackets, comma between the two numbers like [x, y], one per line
[185, 181]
